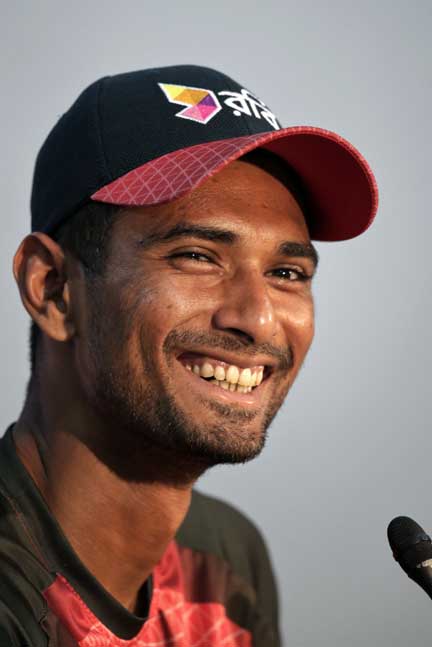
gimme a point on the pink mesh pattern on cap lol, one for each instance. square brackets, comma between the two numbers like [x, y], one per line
[172, 175]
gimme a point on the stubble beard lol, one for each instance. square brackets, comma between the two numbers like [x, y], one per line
[146, 418]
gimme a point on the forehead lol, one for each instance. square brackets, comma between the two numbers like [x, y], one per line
[243, 197]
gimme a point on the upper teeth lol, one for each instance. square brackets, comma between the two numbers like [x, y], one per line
[232, 375]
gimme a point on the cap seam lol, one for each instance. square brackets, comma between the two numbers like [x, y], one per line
[99, 129]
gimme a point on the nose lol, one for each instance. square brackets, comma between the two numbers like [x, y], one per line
[246, 309]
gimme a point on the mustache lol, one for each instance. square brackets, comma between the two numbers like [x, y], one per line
[283, 356]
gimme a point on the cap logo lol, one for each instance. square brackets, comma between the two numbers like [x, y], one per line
[202, 105]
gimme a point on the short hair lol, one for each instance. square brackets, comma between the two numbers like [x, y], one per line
[86, 234]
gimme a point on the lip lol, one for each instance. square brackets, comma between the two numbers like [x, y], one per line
[252, 399]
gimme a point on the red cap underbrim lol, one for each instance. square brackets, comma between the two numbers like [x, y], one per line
[342, 194]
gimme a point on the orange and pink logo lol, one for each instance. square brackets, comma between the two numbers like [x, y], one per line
[201, 105]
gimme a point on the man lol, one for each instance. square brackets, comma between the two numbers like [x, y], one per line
[168, 275]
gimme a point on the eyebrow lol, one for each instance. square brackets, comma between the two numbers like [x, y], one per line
[302, 250]
[215, 234]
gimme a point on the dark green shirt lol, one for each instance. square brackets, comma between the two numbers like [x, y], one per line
[214, 585]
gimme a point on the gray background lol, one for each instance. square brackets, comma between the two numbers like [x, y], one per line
[351, 448]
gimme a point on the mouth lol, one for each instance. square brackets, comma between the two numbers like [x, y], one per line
[225, 374]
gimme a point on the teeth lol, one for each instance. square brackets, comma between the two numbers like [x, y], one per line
[206, 370]
[233, 379]
[245, 377]
[219, 373]
[232, 374]
[227, 386]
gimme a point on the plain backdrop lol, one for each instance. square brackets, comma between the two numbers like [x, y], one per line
[351, 447]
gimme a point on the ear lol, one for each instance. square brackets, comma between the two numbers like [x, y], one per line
[40, 270]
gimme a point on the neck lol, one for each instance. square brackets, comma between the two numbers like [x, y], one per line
[107, 518]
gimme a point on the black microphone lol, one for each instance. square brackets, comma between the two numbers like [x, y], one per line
[412, 549]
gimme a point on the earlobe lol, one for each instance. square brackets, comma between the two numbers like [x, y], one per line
[40, 271]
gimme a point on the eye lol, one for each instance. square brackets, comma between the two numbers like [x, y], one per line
[291, 274]
[194, 256]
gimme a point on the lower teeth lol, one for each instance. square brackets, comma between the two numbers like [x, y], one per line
[231, 387]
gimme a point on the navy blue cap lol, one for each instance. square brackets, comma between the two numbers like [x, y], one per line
[150, 136]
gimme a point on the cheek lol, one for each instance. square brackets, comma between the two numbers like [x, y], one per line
[169, 302]
[300, 326]
[150, 311]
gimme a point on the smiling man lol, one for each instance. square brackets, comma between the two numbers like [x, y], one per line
[169, 278]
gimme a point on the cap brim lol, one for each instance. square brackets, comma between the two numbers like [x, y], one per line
[342, 193]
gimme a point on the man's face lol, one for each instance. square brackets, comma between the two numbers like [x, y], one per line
[198, 295]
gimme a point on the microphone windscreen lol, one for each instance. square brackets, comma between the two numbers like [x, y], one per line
[409, 542]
